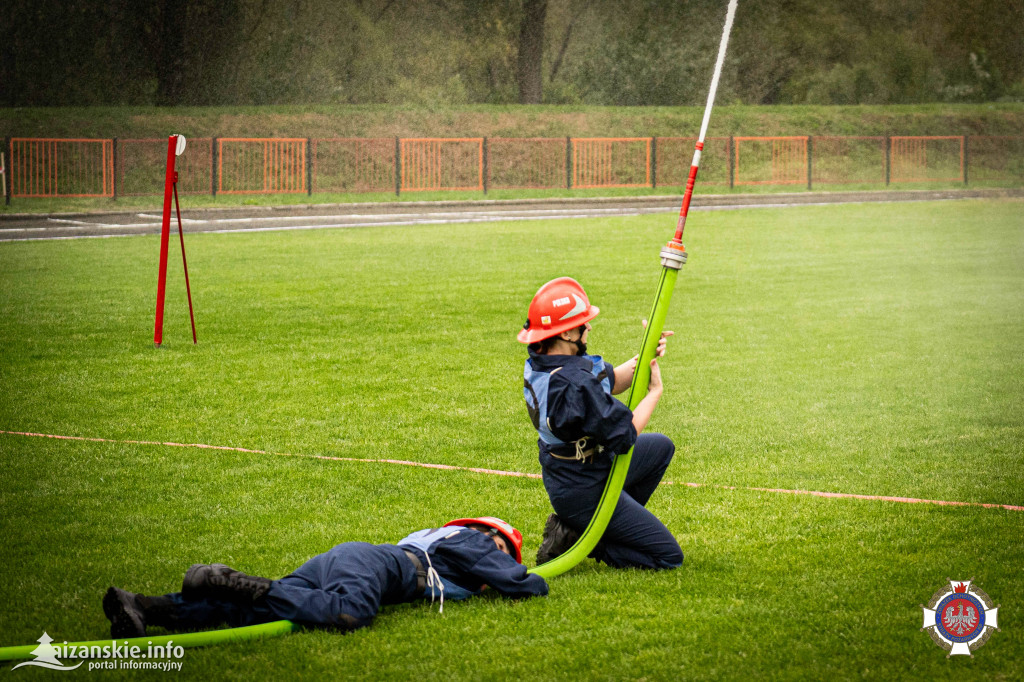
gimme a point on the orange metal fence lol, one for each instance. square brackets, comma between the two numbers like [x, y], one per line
[140, 166]
[995, 157]
[261, 165]
[126, 167]
[847, 159]
[527, 162]
[771, 160]
[352, 164]
[62, 167]
[933, 158]
[611, 162]
[436, 163]
[675, 154]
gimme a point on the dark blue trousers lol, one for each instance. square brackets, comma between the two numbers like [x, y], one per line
[635, 537]
[344, 587]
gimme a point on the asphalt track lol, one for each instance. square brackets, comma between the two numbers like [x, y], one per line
[22, 227]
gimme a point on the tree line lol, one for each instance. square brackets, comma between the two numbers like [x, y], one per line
[451, 52]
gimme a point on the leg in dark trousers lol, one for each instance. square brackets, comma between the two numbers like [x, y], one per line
[651, 456]
[344, 587]
[635, 537]
[204, 614]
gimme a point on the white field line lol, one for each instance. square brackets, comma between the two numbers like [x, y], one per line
[435, 214]
[519, 474]
[372, 221]
[387, 220]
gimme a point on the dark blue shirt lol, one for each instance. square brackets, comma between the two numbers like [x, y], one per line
[579, 406]
[471, 559]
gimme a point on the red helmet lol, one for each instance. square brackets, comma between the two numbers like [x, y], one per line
[558, 306]
[511, 535]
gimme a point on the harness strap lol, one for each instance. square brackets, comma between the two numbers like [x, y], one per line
[421, 575]
[533, 410]
[583, 453]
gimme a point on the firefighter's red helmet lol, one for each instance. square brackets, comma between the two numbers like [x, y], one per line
[511, 535]
[558, 306]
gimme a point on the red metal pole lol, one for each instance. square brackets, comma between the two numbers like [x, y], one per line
[165, 234]
[184, 263]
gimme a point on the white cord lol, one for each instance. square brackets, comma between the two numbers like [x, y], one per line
[434, 580]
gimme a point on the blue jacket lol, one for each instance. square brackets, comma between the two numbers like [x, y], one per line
[467, 559]
[578, 403]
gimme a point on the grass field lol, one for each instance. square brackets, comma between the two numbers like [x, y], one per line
[874, 349]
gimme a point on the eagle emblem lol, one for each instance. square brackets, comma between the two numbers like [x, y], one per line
[960, 622]
[960, 617]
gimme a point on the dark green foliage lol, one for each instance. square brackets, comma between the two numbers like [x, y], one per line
[431, 52]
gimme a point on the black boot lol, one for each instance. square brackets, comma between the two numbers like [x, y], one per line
[217, 581]
[159, 611]
[558, 538]
[124, 613]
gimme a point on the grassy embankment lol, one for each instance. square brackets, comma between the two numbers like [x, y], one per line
[489, 121]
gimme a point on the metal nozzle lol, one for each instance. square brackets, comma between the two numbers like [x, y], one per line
[673, 256]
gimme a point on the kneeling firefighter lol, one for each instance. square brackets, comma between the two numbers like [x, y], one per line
[581, 428]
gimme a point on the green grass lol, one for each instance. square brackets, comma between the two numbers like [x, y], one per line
[873, 349]
[510, 120]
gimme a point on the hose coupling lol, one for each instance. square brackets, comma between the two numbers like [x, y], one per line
[673, 255]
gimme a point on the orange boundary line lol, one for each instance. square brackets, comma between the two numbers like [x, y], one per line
[518, 474]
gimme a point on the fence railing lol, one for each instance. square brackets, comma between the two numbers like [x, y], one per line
[133, 167]
[61, 167]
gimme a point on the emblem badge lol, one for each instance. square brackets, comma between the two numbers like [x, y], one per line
[960, 617]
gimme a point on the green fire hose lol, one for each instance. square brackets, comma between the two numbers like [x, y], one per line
[185, 640]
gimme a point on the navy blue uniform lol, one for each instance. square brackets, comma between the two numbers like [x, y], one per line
[346, 586]
[570, 398]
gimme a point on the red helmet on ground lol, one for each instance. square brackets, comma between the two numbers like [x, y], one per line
[511, 535]
[558, 306]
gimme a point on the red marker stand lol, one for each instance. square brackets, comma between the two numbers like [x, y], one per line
[175, 146]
